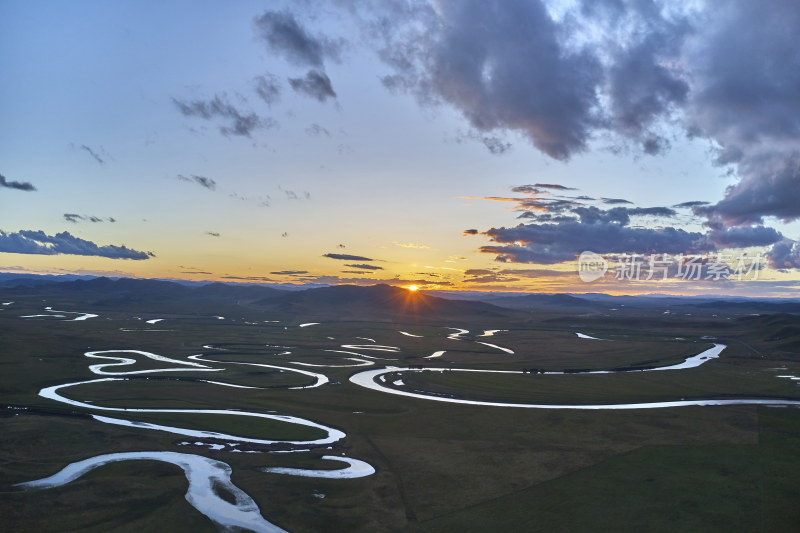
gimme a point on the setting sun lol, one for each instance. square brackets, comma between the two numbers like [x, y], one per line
[413, 288]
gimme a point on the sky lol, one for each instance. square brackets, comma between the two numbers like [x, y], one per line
[455, 145]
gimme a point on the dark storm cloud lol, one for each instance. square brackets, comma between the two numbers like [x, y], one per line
[365, 267]
[643, 79]
[315, 84]
[555, 243]
[744, 236]
[347, 257]
[37, 242]
[18, 185]
[239, 122]
[563, 235]
[203, 181]
[284, 35]
[503, 66]
[639, 72]
[770, 187]
[745, 97]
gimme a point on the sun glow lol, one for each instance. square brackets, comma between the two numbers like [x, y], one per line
[413, 288]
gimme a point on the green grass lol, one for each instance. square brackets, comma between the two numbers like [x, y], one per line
[659, 488]
[240, 426]
[440, 467]
[714, 379]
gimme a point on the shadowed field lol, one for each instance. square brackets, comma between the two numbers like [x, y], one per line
[439, 467]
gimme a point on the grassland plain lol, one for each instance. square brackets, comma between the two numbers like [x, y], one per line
[440, 467]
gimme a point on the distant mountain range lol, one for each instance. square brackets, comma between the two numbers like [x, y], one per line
[352, 300]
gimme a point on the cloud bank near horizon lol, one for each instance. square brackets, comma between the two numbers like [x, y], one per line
[38, 242]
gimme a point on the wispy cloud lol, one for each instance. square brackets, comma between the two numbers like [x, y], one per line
[268, 88]
[259, 279]
[315, 84]
[347, 257]
[95, 155]
[694, 203]
[241, 123]
[18, 185]
[203, 181]
[315, 130]
[615, 201]
[365, 267]
[282, 34]
[212, 233]
[75, 218]
[411, 245]
[293, 195]
[37, 242]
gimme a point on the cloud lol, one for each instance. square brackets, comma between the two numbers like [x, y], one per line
[212, 233]
[315, 84]
[74, 218]
[315, 130]
[694, 203]
[614, 201]
[621, 72]
[769, 188]
[268, 88]
[562, 230]
[745, 83]
[18, 185]
[411, 245]
[503, 65]
[289, 272]
[260, 279]
[37, 242]
[477, 275]
[550, 186]
[365, 267]
[744, 236]
[292, 195]
[347, 257]
[284, 36]
[94, 154]
[784, 255]
[203, 181]
[238, 122]
[556, 243]
[471, 231]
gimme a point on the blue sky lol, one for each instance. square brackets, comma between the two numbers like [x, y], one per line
[248, 141]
